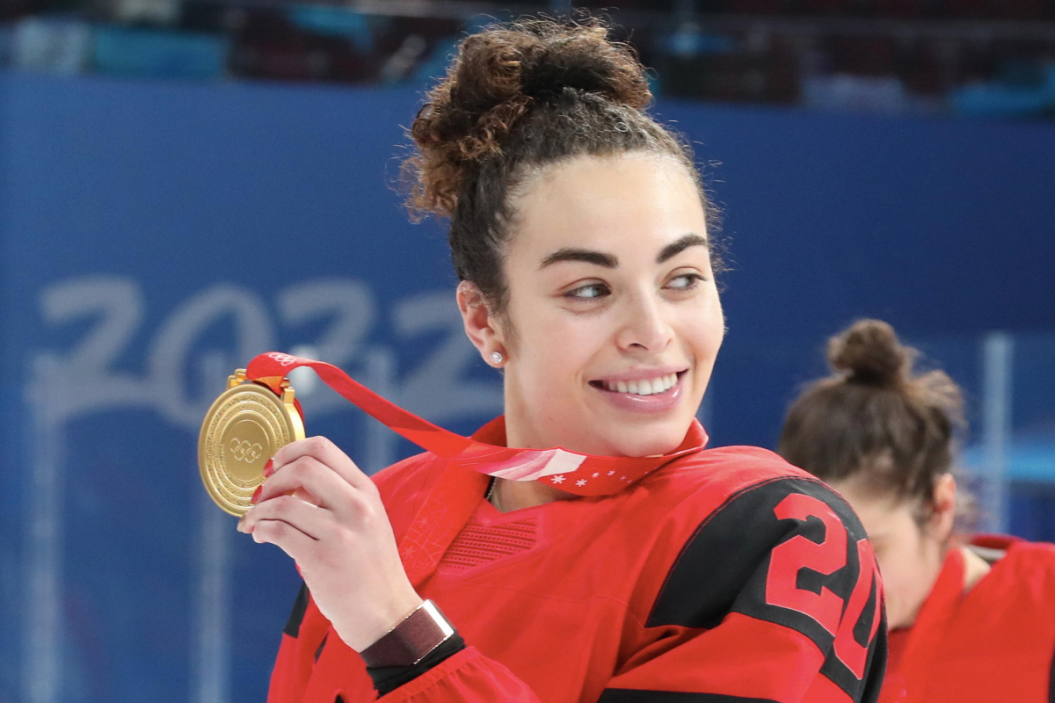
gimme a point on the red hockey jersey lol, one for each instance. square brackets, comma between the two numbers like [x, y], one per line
[727, 575]
[996, 643]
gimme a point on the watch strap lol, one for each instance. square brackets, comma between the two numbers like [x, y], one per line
[411, 640]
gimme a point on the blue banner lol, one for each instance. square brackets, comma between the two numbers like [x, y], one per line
[156, 236]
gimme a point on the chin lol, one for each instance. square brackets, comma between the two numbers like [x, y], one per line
[648, 441]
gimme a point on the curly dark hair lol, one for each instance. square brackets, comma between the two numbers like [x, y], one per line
[516, 98]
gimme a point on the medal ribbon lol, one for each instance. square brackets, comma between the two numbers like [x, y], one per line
[581, 474]
[457, 494]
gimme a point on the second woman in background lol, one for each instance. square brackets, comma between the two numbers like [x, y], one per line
[969, 622]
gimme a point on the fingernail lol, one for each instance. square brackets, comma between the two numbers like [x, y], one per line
[241, 525]
[269, 467]
[256, 495]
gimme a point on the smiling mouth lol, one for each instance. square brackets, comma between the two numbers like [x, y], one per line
[651, 386]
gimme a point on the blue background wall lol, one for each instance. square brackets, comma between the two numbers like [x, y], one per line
[155, 236]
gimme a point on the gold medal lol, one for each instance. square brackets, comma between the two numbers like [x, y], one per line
[244, 428]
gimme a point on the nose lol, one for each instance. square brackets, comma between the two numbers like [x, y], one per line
[645, 327]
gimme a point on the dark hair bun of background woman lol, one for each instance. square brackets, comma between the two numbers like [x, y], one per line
[498, 75]
[869, 352]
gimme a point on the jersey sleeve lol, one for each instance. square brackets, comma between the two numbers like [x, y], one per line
[466, 677]
[775, 597]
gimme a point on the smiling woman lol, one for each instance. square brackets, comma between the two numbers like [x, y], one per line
[579, 232]
[613, 291]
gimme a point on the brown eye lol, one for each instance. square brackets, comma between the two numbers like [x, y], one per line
[589, 292]
[686, 281]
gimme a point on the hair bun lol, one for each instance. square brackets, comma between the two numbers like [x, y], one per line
[539, 59]
[581, 57]
[496, 78]
[869, 352]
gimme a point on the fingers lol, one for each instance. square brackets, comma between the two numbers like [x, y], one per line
[328, 454]
[324, 486]
[299, 546]
[305, 517]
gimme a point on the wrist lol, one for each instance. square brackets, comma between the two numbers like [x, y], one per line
[380, 620]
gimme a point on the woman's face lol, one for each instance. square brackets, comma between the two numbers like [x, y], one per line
[613, 320]
[910, 556]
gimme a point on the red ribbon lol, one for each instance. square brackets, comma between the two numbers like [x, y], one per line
[455, 497]
[581, 474]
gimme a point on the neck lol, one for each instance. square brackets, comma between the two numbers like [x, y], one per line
[975, 568]
[508, 496]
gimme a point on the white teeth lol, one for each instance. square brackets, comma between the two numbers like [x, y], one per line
[651, 386]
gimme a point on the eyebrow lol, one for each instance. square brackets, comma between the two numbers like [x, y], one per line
[675, 248]
[609, 261]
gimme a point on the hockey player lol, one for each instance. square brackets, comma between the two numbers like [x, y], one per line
[580, 234]
[969, 622]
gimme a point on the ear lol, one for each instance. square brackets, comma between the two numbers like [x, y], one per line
[481, 326]
[944, 508]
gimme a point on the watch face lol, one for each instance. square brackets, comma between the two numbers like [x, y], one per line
[437, 617]
[244, 428]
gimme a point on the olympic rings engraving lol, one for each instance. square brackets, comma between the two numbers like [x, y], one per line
[283, 359]
[245, 451]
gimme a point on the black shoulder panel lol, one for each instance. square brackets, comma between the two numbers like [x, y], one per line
[300, 606]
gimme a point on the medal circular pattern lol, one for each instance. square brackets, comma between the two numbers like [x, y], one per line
[244, 428]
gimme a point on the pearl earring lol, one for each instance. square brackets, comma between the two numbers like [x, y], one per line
[497, 358]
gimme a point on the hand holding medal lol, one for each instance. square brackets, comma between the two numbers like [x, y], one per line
[326, 514]
[308, 498]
